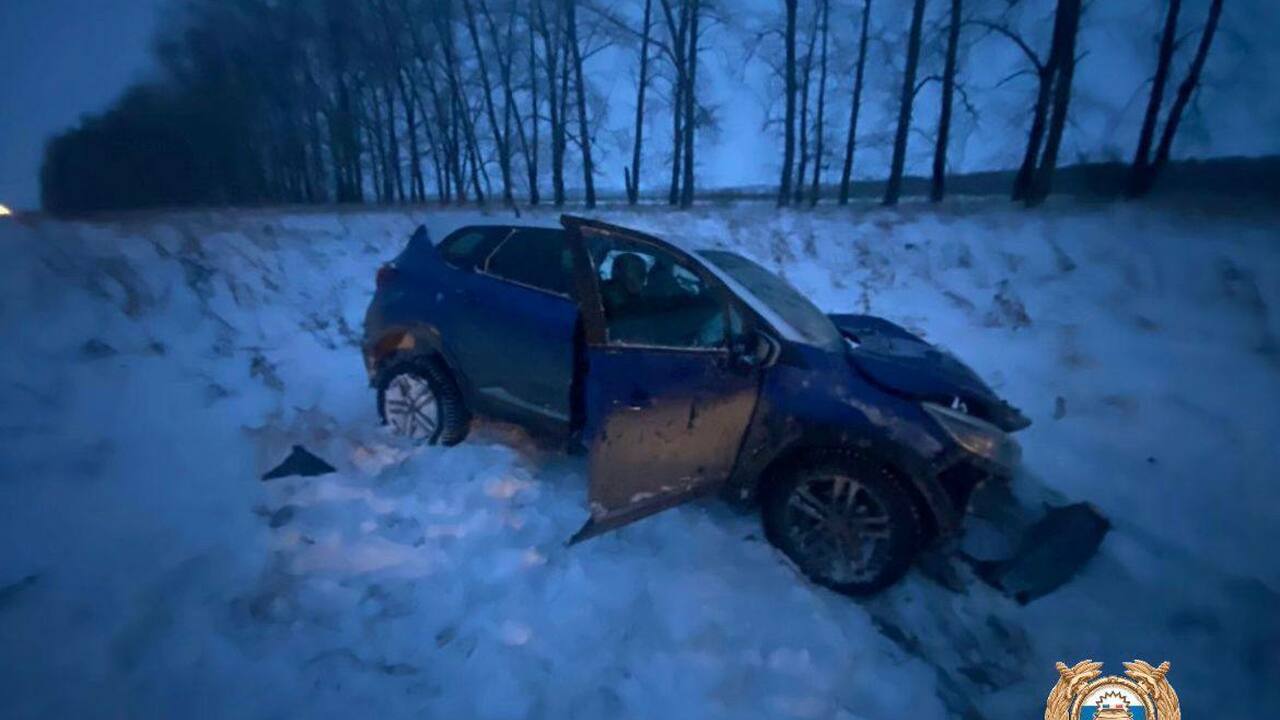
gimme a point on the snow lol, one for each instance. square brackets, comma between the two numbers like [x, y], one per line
[157, 365]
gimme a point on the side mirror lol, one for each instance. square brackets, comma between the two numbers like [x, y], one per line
[753, 349]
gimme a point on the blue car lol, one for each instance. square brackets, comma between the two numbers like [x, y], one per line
[687, 373]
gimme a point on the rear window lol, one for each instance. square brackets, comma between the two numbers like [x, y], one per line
[462, 248]
[535, 257]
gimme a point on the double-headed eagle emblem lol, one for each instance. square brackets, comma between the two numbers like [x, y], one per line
[1112, 697]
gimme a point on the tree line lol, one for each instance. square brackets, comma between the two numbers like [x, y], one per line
[500, 101]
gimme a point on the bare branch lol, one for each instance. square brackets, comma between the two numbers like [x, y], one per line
[1014, 37]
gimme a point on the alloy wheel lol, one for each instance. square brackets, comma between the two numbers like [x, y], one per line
[839, 526]
[411, 408]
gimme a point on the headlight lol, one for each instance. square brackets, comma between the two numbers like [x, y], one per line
[977, 436]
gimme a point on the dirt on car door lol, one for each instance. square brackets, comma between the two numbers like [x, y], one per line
[666, 405]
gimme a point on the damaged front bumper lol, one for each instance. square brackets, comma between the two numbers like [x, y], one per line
[1025, 548]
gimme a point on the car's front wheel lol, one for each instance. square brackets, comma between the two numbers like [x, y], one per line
[419, 400]
[849, 525]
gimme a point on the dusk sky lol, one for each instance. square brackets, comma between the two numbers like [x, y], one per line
[62, 59]
[65, 58]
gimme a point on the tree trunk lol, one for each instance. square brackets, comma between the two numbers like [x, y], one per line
[1185, 91]
[442, 182]
[348, 180]
[789, 144]
[531, 152]
[393, 144]
[894, 189]
[938, 187]
[690, 104]
[1066, 67]
[417, 189]
[846, 176]
[1047, 73]
[1140, 171]
[511, 111]
[804, 111]
[1035, 136]
[822, 100]
[552, 42]
[562, 137]
[443, 140]
[459, 102]
[677, 142]
[500, 141]
[678, 32]
[633, 173]
[381, 169]
[415, 151]
[584, 133]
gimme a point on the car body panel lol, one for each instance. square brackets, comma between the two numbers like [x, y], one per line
[813, 402]
[509, 346]
[665, 425]
[902, 362]
[508, 324]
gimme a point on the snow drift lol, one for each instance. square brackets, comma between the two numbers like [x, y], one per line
[156, 366]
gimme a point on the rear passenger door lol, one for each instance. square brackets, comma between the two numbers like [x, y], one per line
[520, 347]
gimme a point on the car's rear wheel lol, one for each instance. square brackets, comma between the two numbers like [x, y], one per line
[419, 400]
[848, 525]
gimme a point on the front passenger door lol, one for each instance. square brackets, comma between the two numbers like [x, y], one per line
[666, 405]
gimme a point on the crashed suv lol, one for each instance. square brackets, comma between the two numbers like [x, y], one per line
[686, 373]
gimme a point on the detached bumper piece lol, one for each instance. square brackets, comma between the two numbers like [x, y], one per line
[1050, 552]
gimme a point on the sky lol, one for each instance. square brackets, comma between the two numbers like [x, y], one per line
[62, 59]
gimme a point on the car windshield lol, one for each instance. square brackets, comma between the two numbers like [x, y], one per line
[784, 301]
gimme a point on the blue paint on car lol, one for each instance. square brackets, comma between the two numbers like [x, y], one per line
[682, 373]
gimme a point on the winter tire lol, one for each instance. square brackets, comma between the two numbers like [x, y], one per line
[420, 400]
[849, 525]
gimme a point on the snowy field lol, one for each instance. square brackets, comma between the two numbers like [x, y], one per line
[155, 367]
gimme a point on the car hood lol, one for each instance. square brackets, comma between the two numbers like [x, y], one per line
[902, 363]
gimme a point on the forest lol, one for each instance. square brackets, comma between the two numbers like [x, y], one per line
[516, 102]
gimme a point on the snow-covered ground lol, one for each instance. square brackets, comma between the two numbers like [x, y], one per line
[155, 367]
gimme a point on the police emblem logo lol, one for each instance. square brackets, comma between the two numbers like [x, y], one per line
[1143, 694]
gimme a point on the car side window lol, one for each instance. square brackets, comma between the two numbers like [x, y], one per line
[652, 297]
[460, 249]
[534, 257]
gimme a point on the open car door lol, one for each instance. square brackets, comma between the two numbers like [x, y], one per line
[667, 403]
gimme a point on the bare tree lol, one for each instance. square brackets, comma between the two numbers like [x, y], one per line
[344, 142]
[506, 57]
[584, 133]
[893, 190]
[938, 186]
[500, 139]
[531, 151]
[803, 154]
[677, 32]
[851, 143]
[820, 130]
[632, 174]
[1143, 179]
[1045, 70]
[459, 107]
[551, 32]
[1140, 169]
[690, 97]
[454, 178]
[1063, 59]
[789, 146]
